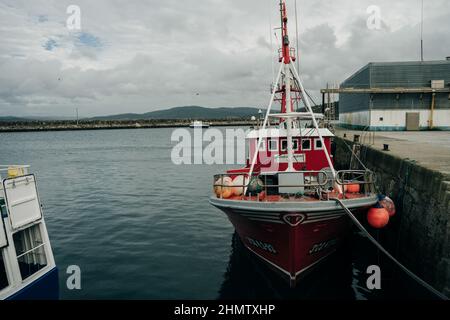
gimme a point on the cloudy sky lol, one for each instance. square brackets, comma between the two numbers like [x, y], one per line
[144, 55]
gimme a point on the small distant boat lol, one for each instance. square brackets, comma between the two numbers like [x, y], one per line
[199, 124]
[27, 266]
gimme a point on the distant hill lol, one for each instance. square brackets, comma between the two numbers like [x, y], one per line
[191, 112]
[32, 118]
[13, 119]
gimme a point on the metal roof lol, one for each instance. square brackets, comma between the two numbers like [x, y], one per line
[277, 132]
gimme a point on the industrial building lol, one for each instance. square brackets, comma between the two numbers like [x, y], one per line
[396, 96]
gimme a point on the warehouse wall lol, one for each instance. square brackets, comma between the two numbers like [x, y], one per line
[396, 119]
[355, 120]
[361, 110]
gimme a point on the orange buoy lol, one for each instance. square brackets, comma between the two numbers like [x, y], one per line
[388, 204]
[378, 217]
[262, 196]
[239, 183]
[227, 192]
[352, 188]
[222, 187]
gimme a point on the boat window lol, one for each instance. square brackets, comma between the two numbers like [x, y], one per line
[283, 145]
[306, 144]
[294, 144]
[30, 251]
[262, 147]
[318, 144]
[3, 276]
[273, 145]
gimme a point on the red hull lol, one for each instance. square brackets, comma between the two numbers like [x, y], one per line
[291, 250]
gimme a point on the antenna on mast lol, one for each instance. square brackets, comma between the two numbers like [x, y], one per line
[296, 35]
[421, 34]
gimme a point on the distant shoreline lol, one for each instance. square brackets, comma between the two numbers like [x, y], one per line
[71, 125]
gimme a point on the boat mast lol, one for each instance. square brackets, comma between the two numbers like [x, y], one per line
[289, 73]
[290, 70]
[286, 102]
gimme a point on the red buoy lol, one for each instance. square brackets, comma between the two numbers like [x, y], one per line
[378, 217]
[388, 204]
[353, 188]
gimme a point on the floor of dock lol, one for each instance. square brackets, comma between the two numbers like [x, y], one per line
[430, 149]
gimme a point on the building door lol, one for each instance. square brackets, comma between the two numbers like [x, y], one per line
[412, 121]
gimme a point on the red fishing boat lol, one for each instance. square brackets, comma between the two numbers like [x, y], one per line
[286, 203]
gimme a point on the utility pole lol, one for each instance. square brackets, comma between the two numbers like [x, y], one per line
[77, 116]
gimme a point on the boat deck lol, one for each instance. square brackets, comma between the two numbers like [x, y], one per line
[304, 198]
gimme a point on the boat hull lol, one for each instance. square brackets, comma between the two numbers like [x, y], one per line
[291, 242]
[45, 287]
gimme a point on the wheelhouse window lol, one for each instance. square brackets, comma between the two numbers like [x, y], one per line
[283, 145]
[318, 144]
[3, 276]
[262, 147]
[306, 144]
[294, 144]
[30, 251]
[273, 145]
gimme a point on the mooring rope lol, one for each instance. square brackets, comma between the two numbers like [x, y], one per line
[380, 247]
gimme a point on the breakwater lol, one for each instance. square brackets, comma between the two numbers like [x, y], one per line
[64, 125]
[419, 234]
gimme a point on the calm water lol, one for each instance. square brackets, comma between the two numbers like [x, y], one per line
[140, 227]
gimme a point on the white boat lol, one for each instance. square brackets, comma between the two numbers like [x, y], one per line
[199, 124]
[27, 266]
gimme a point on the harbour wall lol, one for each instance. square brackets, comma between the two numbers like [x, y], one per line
[66, 125]
[419, 234]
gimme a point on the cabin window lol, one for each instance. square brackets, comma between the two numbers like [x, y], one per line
[273, 145]
[30, 251]
[284, 145]
[262, 147]
[294, 144]
[3, 276]
[306, 144]
[318, 144]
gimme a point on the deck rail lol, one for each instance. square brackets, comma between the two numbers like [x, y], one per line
[8, 171]
[320, 183]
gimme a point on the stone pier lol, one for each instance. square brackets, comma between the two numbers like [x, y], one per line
[415, 173]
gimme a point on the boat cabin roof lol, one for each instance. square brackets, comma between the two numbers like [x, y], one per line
[281, 132]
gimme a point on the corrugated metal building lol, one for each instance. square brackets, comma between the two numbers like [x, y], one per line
[397, 96]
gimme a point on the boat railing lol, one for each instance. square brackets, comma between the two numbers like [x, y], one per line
[320, 183]
[312, 180]
[363, 179]
[347, 177]
[12, 171]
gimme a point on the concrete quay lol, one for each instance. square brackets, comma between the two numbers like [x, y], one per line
[415, 173]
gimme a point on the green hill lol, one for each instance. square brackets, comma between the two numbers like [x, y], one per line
[191, 112]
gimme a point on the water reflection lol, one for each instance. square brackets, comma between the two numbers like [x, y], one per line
[248, 278]
[340, 277]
